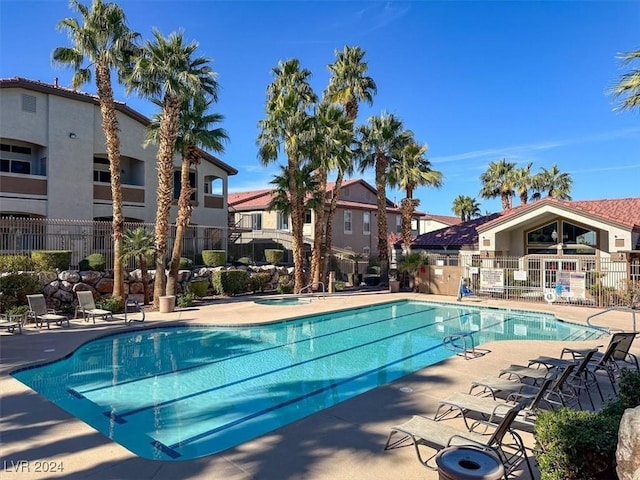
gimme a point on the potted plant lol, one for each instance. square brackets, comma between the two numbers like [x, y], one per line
[394, 283]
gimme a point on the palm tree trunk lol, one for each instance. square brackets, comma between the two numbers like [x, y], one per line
[297, 224]
[383, 233]
[333, 205]
[318, 229]
[184, 215]
[112, 144]
[145, 279]
[407, 207]
[168, 133]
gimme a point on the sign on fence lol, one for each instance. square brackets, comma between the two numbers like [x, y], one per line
[492, 279]
[571, 284]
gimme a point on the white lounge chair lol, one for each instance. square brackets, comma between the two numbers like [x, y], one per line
[87, 305]
[40, 313]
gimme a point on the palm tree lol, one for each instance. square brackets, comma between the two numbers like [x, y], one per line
[497, 181]
[410, 170]
[194, 133]
[381, 143]
[627, 90]
[523, 181]
[289, 124]
[466, 207]
[105, 43]
[348, 86]
[168, 73]
[554, 183]
[139, 244]
[411, 263]
[330, 150]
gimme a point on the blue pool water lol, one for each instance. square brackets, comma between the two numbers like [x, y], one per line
[284, 301]
[177, 393]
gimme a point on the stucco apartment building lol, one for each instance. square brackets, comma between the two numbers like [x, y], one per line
[54, 163]
[355, 226]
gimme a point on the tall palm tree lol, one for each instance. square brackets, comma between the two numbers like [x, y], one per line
[466, 207]
[139, 244]
[381, 142]
[289, 124]
[168, 73]
[523, 181]
[497, 181]
[410, 170]
[555, 183]
[102, 42]
[194, 133]
[330, 150]
[627, 90]
[349, 85]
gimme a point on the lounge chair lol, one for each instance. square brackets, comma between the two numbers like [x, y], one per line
[621, 354]
[11, 322]
[40, 313]
[423, 431]
[87, 305]
[491, 409]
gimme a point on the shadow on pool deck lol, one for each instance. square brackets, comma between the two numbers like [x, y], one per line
[343, 442]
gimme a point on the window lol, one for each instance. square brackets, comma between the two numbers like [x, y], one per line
[103, 176]
[307, 216]
[366, 251]
[177, 184]
[398, 224]
[347, 221]
[256, 221]
[15, 166]
[282, 221]
[366, 223]
[213, 185]
[543, 235]
[577, 235]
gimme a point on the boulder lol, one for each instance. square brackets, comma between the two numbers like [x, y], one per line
[628, 450]
[70, 276]
[105, 285]
[90, 277]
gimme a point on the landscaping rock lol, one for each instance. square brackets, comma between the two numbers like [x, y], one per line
[90, 277]
[628, 451]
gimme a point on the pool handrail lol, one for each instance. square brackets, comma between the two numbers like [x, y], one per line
[311, 286]
[619, 308]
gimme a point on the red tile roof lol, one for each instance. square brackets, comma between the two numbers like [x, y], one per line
[624, 212]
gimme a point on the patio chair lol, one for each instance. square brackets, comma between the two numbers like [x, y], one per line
[87, 305]
[40, 313]
[423, 431]
[621, 354]
[491, 409]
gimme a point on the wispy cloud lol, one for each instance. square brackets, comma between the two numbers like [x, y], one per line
[525, 151]
[373, 17]
[634, 166]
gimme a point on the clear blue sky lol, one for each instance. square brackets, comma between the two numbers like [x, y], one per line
[476, 81]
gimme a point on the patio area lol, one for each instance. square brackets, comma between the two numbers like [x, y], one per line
[346, 441]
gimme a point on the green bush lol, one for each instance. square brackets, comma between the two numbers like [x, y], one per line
[245, 261]
[15, 287]
[339, 285]
[230, 282]
[580, 445]
[185, 264]
[95, 262]
[185, 300]
[214, 258]
[16, 263]
[199, 287]
[273, 256]
[259, 280]
[113, 304]
[49, 260]
[285, 285]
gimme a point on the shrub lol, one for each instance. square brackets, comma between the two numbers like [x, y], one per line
[339, 285]
[230, 282]
[15, 287]
[199, 287]
[95, 262]
[245, 261]
[259, 280]
[185, 264]
[113, 304]
[48, 260]
[273, 256]
[580, 445]
[214, 258]
[285, 285]
[16, 263]
[185, 300]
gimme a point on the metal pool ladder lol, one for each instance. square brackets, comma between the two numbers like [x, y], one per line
[460, 343]
[621, 309]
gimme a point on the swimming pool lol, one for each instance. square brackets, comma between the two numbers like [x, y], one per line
[178, 393]
[284, 302]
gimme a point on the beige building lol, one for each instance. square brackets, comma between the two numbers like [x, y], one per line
[54, 162]
[355, 226]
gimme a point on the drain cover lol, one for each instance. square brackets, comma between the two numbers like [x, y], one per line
[406, 389]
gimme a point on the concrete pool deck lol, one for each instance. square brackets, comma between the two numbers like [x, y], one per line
[343, 442]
